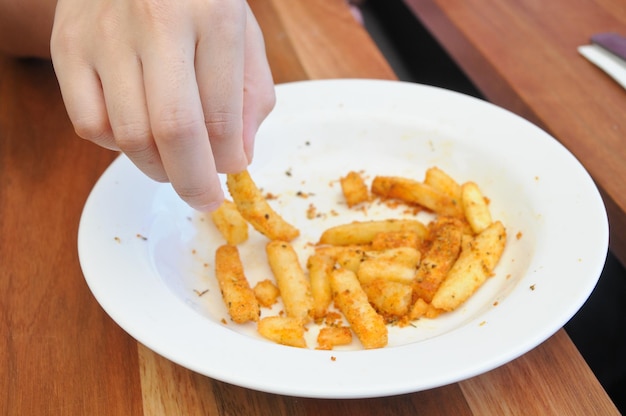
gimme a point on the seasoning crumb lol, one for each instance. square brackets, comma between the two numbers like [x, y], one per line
[333, 358]
[117, 239]
[532, 287]
[311, 212]
[144, 238]
[200, 293]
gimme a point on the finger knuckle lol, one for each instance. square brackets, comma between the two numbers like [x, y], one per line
[223, 126]
[175, 127]
[133, 137]
[94, 129]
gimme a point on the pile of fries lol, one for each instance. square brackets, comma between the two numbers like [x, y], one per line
[369, 274]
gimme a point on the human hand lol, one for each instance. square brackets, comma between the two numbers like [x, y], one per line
[180, 86]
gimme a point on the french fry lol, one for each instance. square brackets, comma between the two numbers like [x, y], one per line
[266, 293]
[330, 337]
[475, 207]
[474, 265]
[230, 223]
[415, 192]
[320, 266]
[418, 309]
[283, 330]
[443, 182]
[350, 298]
[354, 189]
[363, 232]
[349, 257]
[405, 256]
[395, 239]
[391, 299]
[443, 249]
[255, 209]
[294, 286]
[236, 292]
[396, 264]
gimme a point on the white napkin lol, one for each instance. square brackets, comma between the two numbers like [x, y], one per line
[604, 52]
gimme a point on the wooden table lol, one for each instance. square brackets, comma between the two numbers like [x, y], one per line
[62, 355]
[523, 56]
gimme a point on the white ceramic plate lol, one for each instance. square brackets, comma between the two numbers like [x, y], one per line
[148, 258]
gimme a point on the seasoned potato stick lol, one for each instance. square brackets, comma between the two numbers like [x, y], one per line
[363, 232]
[372, 269]
[266, 293]
[475, 207]
[415, 192]
[391, 299]
[283, 330]
[255, 209]
[350, 298]
[474, 265]
[349, 257]
[396, 264]
[230, 223]
[405, 256]
[236, 292]
[395, 239]
[333, 336]
[354, 189]
[294, 286]
[443, 249]
[335, 251]
[320, 266]
[443, 182]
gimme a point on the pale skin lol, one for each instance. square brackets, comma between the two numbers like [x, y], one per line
[180, 86]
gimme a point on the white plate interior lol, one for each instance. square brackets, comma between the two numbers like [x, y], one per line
[148, 258]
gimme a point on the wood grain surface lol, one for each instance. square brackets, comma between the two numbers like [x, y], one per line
[62, 355]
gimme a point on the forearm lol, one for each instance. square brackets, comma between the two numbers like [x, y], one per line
[25, 27]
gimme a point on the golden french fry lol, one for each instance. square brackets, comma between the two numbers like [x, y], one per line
[354, 189]
[363, 232]
[395, 239]
[350, 298]
[349, 257]
[391, 299]
[444, 246]
[236, 292]
[474, 265]
[266, 293]
[255, 209]
[418, 309]
[475, 207]
[395, 264]
[320, 266]
[333, 336]
[283, 330]
[415, 192]
[443, 182]
[404, 256]
[294, 286]
[230, 223]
